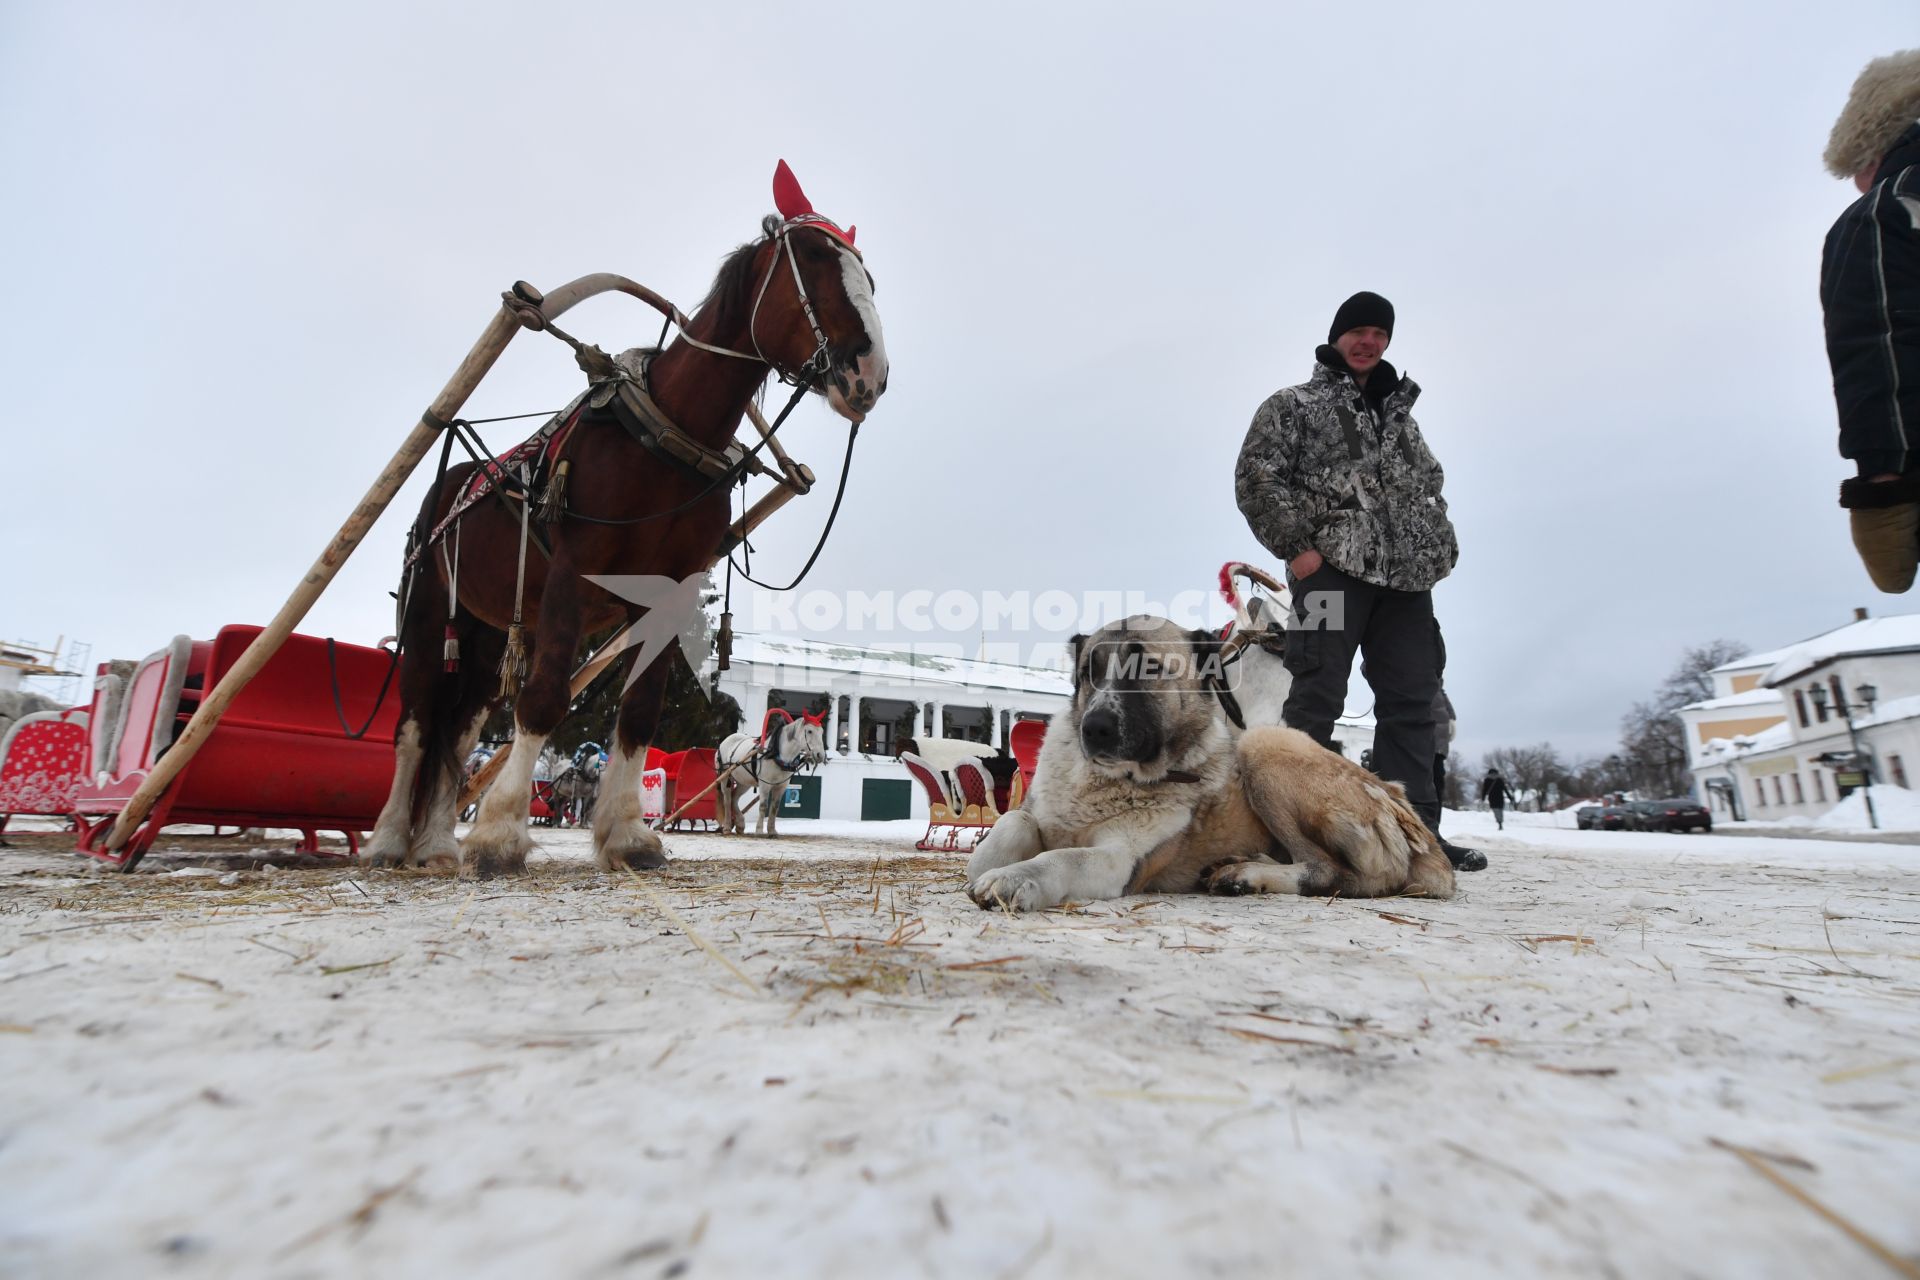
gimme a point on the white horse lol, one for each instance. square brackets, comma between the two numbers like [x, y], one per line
[797, 744]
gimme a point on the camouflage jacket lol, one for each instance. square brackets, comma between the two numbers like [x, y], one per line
[1323, 468]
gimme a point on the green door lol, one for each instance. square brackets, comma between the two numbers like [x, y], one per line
[885, 799]
[801, 799]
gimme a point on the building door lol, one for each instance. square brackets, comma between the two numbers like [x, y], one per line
[801, 797]
[885, 799]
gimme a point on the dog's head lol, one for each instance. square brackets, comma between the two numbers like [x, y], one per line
[1144, 697]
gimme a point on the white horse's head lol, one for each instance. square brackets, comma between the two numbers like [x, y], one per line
[804, 742]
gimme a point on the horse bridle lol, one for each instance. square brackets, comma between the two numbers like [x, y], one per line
[820, 363]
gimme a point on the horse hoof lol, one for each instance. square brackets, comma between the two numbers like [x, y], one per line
[644, 859]
[444, 864]
[487, 858]
[631, 847]
[494, 863]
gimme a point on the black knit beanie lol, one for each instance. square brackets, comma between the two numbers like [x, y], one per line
[1361, 310]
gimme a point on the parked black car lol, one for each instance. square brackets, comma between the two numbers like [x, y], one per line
[1668, 815]
[1601, 817]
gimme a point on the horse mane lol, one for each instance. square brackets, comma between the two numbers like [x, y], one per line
[731, 298]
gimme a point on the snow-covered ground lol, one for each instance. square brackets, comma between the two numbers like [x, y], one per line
[816, 1057]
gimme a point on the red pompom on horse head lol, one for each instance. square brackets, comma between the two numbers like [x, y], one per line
[812, 718]
[794, 206]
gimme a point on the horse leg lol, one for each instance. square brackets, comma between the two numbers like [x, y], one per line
[771, 794]
[621, 836]
[723, 800]
[421, 686]
[499, 842]
[461, 703]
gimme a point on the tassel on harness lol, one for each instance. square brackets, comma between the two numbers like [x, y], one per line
[513, 663]
[450, 647]
[553, 503]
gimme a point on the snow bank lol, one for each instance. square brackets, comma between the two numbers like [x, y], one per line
[1897, 808]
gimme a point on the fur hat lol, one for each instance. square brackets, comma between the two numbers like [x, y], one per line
[1885, 101]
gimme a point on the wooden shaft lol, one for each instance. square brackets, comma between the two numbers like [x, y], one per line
[416, 446]
[788, 467]
[559, 301]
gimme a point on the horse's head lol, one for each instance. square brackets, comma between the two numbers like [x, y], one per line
[813, 317]
[804, 741]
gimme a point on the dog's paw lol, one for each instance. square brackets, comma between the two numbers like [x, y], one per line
[1227, 878]
[1238, 878]
[1014, 888]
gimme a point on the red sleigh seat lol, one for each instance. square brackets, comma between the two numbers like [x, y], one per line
[279, 756]
[42, 760]
[688, 774]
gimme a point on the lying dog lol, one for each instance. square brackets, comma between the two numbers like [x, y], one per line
[1146, 786]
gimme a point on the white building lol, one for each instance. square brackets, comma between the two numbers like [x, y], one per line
[1773, 742]
[875, 699]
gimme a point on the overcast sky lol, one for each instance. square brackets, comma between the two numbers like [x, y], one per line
[247, 244]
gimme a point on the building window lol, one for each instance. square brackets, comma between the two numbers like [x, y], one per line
[846, 724]
[1759, 793]
[1819, 786]
[1839, 694]
[1819, 707]
[970, 724]
[885, 725]
[1899, 771]
[798, 702]
[1779, 792]
[1800, 706]
[1799, 796]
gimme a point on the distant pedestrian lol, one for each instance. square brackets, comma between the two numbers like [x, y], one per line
[1493, 789]
[1870, 294]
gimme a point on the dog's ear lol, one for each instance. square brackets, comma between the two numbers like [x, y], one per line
[1209, 655]
[1078, 647]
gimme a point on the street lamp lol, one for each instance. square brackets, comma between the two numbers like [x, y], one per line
[1867, 695]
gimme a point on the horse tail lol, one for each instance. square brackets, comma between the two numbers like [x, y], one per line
[457, 696]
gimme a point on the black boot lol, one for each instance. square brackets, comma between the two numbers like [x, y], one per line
[1463, 859]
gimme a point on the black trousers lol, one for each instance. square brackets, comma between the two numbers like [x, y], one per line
[1336, 616]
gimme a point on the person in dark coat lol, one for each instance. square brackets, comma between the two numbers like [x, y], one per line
[1870, 295]
[1335, 478]
[1493, 789]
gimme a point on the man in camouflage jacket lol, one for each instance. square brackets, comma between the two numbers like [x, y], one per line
[1336, 480]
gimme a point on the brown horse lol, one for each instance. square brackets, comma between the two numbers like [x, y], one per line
[798, 301]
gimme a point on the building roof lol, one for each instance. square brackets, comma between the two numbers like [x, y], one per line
[1761, 696]
[933, 665]
[1896, 634]
[1772, 738]
[1889, 711]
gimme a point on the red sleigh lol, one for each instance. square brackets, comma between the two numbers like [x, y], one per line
[280, 756]
[42, 759]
